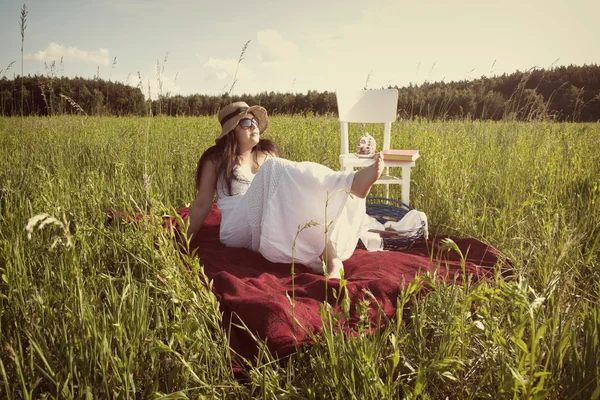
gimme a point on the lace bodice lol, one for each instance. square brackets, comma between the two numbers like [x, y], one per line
[239, 185]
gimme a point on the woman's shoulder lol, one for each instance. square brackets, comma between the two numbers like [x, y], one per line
[263, 155]
[269, 148]
[212, 160]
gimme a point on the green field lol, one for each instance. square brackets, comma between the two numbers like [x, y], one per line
[85, 311]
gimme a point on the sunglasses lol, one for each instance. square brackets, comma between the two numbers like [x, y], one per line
[247, 122]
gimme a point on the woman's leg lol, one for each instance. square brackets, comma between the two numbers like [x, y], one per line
[361, 185]
[334, 264]
[366, 177]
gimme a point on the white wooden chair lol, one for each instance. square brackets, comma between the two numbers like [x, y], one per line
[371, 106]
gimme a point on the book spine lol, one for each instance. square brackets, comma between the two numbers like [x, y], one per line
[396, 158]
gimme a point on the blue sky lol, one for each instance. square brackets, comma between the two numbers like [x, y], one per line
[296, 45]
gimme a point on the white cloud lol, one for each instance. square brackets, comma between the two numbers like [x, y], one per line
[274, 48]
[377, 46]
[405, 43]
[216, 69]
[278, 62]
[55, 52]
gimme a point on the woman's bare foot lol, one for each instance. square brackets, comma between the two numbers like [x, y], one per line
[335, 268]
[366, 177]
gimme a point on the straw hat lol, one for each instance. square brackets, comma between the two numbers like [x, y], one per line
[231, 114]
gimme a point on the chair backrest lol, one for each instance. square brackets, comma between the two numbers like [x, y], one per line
[367, 106]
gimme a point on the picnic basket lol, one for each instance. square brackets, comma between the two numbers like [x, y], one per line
[383, 210]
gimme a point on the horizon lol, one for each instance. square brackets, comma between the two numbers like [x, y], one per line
[329, 91]
[291, 48]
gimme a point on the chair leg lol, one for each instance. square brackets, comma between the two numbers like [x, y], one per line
[406, 185]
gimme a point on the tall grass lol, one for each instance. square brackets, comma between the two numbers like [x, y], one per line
[89, 309]
[240, 59]
[22, 28]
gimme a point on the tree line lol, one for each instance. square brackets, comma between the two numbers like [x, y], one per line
[568, 93]
[43, 95]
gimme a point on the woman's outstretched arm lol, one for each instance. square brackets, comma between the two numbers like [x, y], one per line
[204, 197]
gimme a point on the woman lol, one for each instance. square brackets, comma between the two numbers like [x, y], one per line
[280, 208]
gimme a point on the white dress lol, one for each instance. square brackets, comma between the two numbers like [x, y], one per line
[267, 210]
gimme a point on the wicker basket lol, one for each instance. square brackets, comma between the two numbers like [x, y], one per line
[384, 210]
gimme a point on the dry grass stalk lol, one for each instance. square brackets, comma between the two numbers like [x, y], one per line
[238, 66]
[367, 80]
[42, 86]
[73, 103]
[23, 26]
[7, 68]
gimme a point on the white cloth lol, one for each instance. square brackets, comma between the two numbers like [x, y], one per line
[411, 221]
[371, 240]
[266, 212]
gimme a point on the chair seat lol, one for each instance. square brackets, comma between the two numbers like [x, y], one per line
[390, 180]
[352, 160]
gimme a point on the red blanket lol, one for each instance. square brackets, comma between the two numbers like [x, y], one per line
[253, 290]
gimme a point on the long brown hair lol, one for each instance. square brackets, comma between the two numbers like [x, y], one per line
[225, 156]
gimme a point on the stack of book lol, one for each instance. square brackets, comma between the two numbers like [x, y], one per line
[400, 155]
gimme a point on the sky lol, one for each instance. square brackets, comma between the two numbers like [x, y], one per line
[294, 46]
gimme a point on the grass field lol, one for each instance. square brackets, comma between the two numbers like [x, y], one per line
[85, 311]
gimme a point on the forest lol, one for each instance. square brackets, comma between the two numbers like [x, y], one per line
[565, 93]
